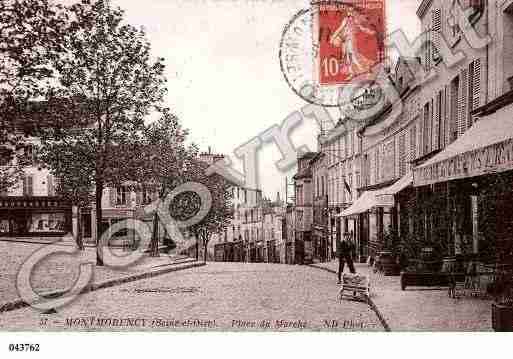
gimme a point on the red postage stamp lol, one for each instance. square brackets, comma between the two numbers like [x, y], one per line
[351, 39]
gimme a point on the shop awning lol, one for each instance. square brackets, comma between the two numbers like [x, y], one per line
[379, 198]
[486, 147]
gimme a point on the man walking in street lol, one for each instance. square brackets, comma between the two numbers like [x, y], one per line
[345, 255]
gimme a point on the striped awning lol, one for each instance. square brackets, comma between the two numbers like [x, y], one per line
[379, 198]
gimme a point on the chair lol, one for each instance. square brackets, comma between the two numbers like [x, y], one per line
[355, 283]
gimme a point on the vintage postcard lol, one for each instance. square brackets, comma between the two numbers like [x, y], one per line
[256, 166]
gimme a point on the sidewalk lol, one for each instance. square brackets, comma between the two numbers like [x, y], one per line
[421, 308]
[58, 272]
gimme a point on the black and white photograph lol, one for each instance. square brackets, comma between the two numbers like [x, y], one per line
[255, 166]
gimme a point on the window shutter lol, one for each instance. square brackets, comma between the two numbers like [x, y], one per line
[442, 119]
[413, 143]
[138, 197]
[402, 155]
[30, 185]
[463, 112]
[436, 124]
[447, 116]
[427, 51]
[476, 85]
[25, 187]
[454, 110]
[50, 186]
[436, 25]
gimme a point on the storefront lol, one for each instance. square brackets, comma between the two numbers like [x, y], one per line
[32, 216]
[374, 215]
[471, 180]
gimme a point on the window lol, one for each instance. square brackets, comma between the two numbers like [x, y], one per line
[402, 155]
[28, 185]
[376, 165]
[427, 50]
[29, 153]
[122, 196]
[51, 186]
[147, 196]
[350, 183]
[427, 128]
[454, 110]
[437, 126]
[463, 103]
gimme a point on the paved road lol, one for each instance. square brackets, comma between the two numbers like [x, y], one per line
[219, 296]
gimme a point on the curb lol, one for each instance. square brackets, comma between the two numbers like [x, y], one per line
[371, 303]
[19, 304]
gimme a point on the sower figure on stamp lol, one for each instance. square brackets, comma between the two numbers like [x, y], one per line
[345, 250]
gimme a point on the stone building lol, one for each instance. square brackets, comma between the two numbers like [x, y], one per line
[387, 145]
[321, 236]
[304, 197]
[467, 117]
[31, 208]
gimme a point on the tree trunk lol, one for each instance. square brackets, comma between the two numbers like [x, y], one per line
[80, 241]
[99, 195]
[205, 251]
[154, 243]
[197, 245]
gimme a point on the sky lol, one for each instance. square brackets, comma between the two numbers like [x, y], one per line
[223, 70]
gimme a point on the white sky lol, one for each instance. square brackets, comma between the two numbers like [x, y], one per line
[223, 69]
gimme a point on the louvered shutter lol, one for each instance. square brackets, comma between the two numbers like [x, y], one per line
[402, 155]
[436, 26]
[436, 124]
[50, 186]
[30, 185]
[476, 85]
[427, 51]
[463, 112]
[447, 116]
[442, 119]
[25, 188]
[413, 143]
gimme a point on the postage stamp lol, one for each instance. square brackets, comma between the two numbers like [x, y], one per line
[333, 46]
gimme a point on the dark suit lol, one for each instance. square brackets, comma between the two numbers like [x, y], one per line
[344, 255]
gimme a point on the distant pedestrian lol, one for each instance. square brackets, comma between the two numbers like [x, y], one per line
[345, 251]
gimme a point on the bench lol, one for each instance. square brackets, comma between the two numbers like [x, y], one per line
[355, 283]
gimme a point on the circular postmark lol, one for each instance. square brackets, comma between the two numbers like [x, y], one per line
[320, 58]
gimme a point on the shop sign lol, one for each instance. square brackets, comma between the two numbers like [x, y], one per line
[494, 158]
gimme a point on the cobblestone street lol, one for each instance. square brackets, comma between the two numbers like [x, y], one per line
[222, 296]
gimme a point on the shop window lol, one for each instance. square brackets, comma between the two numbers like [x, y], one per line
[122, 195]
[47, 223]
[147, 196]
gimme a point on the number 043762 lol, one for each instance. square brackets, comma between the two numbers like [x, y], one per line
[23, 347]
